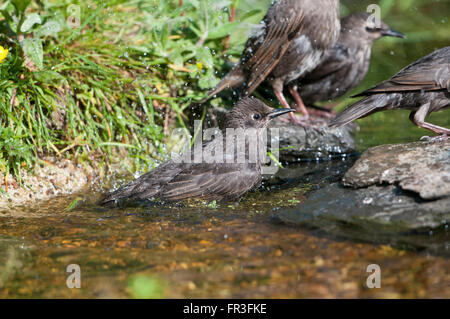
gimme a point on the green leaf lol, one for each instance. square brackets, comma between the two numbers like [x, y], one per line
[249, 14]
[204, 56]
[50, 28]
[274, 159]
[30, 21]
[33, 49]
[48, 76]
[220, 4]
[4, 5]
[73, 204]
[236, 3]
[21, 5]
[164, 35]
[213, 204]
[208, 80]
[117, 144]
[222, 31]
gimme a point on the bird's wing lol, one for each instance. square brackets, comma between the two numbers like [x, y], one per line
[334, 60]
[211, 181]
[443, 77]
[146, 186]
[426, 74]
[262, 53]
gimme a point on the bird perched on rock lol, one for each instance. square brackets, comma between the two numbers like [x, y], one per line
[346, 64]
[225, 179]
[289, 42]
[422, 87]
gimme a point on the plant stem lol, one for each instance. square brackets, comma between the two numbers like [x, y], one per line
[231, 19]
[181, 5]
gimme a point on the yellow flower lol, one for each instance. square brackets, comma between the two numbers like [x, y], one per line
[199, 66]
[3, 53]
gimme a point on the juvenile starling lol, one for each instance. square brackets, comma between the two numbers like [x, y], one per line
[289, 42]
[346, 64]
[226, 180]
[422, 87]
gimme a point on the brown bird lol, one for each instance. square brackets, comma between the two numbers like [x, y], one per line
[422, 87]
[226, 179]
[289, 42]
[346, 64]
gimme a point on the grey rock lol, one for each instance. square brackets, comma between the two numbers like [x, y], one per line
[421, 167]
[297, 143]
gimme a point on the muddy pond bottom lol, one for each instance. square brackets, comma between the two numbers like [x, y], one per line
[213, 250]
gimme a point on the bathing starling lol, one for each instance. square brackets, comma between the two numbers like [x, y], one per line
[346, 64]
[422, 87]
[224, 179]
[289, 42]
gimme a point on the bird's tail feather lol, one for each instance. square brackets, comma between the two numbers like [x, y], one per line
[358, 110]
[234, 78]
[112, 198]
[124, 192]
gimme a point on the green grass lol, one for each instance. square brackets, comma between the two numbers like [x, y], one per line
[114, 86]
[110, 87]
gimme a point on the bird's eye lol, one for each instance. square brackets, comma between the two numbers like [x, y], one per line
[374, 29]
[256, 116]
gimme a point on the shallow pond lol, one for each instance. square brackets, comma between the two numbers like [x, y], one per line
[211, 250]
[224, 250]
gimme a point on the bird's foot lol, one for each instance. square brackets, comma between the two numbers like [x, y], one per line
[435, 139]
[307, 121]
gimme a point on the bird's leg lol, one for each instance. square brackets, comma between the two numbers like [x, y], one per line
[293, 89]
[418, 118]
[300, 105]
[278, 89]
[294, 118]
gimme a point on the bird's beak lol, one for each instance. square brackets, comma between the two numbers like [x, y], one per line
[278, 112]
[392, 33]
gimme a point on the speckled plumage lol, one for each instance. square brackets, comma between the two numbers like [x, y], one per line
[226, 180]
[346, 64]
[422, 87]
[320, 32]
[289, 42]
